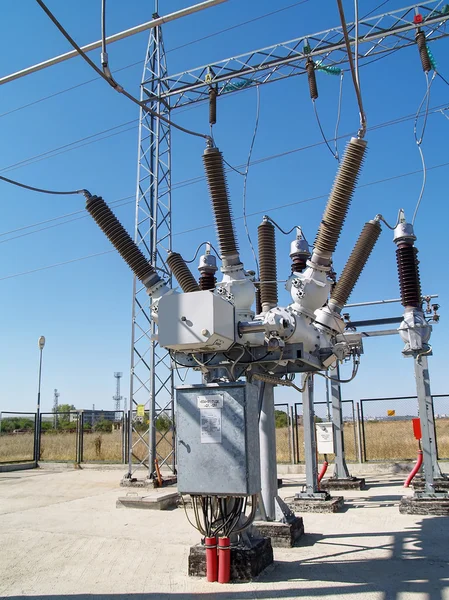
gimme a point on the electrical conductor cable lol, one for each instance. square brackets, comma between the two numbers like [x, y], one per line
[111, 81]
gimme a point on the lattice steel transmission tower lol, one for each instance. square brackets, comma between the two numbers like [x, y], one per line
[152, 381]
[117, 397]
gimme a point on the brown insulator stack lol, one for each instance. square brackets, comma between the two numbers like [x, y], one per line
[311, 76]
[121, 240]
[182, 273]
[267, 265]
[408, 271]
[213, 164]
[340, 197]
[421, 42]
[356, 263]
[212, 106]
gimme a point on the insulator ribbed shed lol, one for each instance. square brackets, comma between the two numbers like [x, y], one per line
[121, 240]
[421, 42]
[212, 106]
[340, 197]
[408, 271]
[182, 273]
[216, 178]
[311, 76]
[267, 265]
[356, 263]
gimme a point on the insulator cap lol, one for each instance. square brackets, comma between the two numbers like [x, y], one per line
[121, 240]
[311, 76]
[213, 164]
[182, 273]
[340, 196]
[212, 106]
[408, 271]
[356, 262]
[421, 42]
[267, 265]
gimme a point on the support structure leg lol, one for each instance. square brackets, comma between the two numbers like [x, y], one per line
[425, 406]
[340, 467]
[267, 440]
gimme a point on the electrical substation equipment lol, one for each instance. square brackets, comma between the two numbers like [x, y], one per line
[225, 425]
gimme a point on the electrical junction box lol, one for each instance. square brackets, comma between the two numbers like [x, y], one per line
[325, 438]
[195, 322]
[217, 427]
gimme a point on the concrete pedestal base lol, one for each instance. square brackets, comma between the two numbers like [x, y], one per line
[246, 562]
[424, 506]
[349, 483]
[157, 500]
[331, 505]
[282, 535]
[440, 484]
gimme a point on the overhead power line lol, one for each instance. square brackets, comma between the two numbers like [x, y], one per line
[114, 84]
[139, 62]
[200, 178]
[210, 225]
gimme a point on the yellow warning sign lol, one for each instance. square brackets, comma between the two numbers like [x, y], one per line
[391, 413]
[141, 410]
[208, 78]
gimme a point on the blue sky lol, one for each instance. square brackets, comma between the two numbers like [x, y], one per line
[84, 308]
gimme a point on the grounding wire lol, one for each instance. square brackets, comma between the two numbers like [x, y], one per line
[85, 193]
[198, 179]
[355, 77]
[315, 110]
[245, 178]
[419, 139]
[337, 123]
[210, 225]
[111, 81]
[199, 248]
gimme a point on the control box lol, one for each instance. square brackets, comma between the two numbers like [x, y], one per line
[194, 322]
[217, 428]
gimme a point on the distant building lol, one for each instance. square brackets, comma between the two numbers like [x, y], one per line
[93, 416]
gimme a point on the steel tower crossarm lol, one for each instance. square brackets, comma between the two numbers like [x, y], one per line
[378, 35]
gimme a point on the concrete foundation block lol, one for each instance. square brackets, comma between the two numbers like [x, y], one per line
[440, 484]
[156, 501]
[332, 505]
[246, 562]
[424, 506]
[349, 483]
[282, 535]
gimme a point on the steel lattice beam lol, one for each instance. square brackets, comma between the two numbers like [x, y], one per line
[378, 35]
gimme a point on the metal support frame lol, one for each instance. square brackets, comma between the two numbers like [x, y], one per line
[425, 407]
[380, 34]
[340, 467]
[310, 445]
[152, 381]
[267, 441]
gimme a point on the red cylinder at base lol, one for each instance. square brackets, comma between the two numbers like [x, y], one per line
[211, 558]
[224, 560]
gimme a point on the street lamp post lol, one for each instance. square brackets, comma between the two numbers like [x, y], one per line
[37, 446]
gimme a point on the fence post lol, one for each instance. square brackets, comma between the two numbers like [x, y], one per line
[292, 422]
[297, 433]
[359, 434]
[290, 437]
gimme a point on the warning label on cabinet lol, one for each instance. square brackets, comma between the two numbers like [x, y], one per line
[210, 425]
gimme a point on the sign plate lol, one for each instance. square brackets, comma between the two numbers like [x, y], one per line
[141, 410]
[210, 401]
[210, 420]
